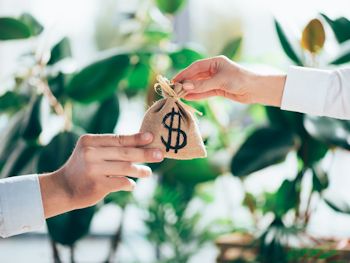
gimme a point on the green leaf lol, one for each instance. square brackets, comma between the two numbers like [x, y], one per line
[121, 199]
[60, 51]
[19, 158]
[287, 47]
[31, 126]
[330, 131]
[340, 27]
[11, 102]
[138, 78]
[97, 117]
[184, 57]
[272, 247]
[98, 80]
[338, 205]
[343, 58]
[69, 227]
[34, 26]
[11, 28]
[285, 119]
[189, 172]
[155, 34]
[170, 6]
[320, 180]
[311, 151]
[231, 48]
[57, 152]
[264, 147]
[285, 198]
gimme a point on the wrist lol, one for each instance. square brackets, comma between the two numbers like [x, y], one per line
[56, 195]
[267, 89]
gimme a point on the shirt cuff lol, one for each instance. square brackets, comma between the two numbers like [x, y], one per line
[21, 208]
[306, 90]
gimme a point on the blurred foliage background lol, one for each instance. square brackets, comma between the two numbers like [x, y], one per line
[51, 98]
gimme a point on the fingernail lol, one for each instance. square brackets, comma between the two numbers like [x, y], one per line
[147, 136]
[131, 186]
[158, 155]
[149, 172]
[188, 86]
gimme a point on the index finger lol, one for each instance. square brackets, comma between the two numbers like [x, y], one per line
[107, 140]
[199, 69]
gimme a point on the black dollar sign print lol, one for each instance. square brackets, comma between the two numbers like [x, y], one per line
[171, 129]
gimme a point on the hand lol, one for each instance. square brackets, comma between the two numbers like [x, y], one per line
[219, 76]
[98, 165]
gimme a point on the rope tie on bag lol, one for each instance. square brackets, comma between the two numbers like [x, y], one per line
[164, 88]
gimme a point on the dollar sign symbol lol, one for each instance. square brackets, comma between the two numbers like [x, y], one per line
[171, 129]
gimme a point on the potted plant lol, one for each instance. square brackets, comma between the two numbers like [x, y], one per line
[310, 138]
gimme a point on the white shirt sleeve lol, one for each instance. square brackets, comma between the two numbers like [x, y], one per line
[318, 92]
[21, 208]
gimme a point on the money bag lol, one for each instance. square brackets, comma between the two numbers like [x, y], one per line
[173, 124]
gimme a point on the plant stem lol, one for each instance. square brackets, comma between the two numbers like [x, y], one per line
[54, 103]
[307, 210]
[158, 253]
[55, 253]
[115, 240]
[71, 250]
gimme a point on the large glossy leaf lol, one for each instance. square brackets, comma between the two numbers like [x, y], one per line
[188, 171]
[24, 27]
[138, 78]
[11, 101]
[11, 28]
[57, 152]
[286, 119]
[311, 151]
[68, 227]
[170, 6]
[313, 36]
[34, 26]
[287, 47]
[331, 131]
[340, 27]
[230, 50]
[60, 51]
[264, 147]
[31, 126]
[98, 80]
[184, 57]
[97, 117]
[20, 158]
[285, 198]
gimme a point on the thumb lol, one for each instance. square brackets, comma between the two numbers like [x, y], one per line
[203, 85]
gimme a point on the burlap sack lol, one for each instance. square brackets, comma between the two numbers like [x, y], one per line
[173, 124]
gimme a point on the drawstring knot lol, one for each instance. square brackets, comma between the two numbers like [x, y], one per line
[172, 90]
